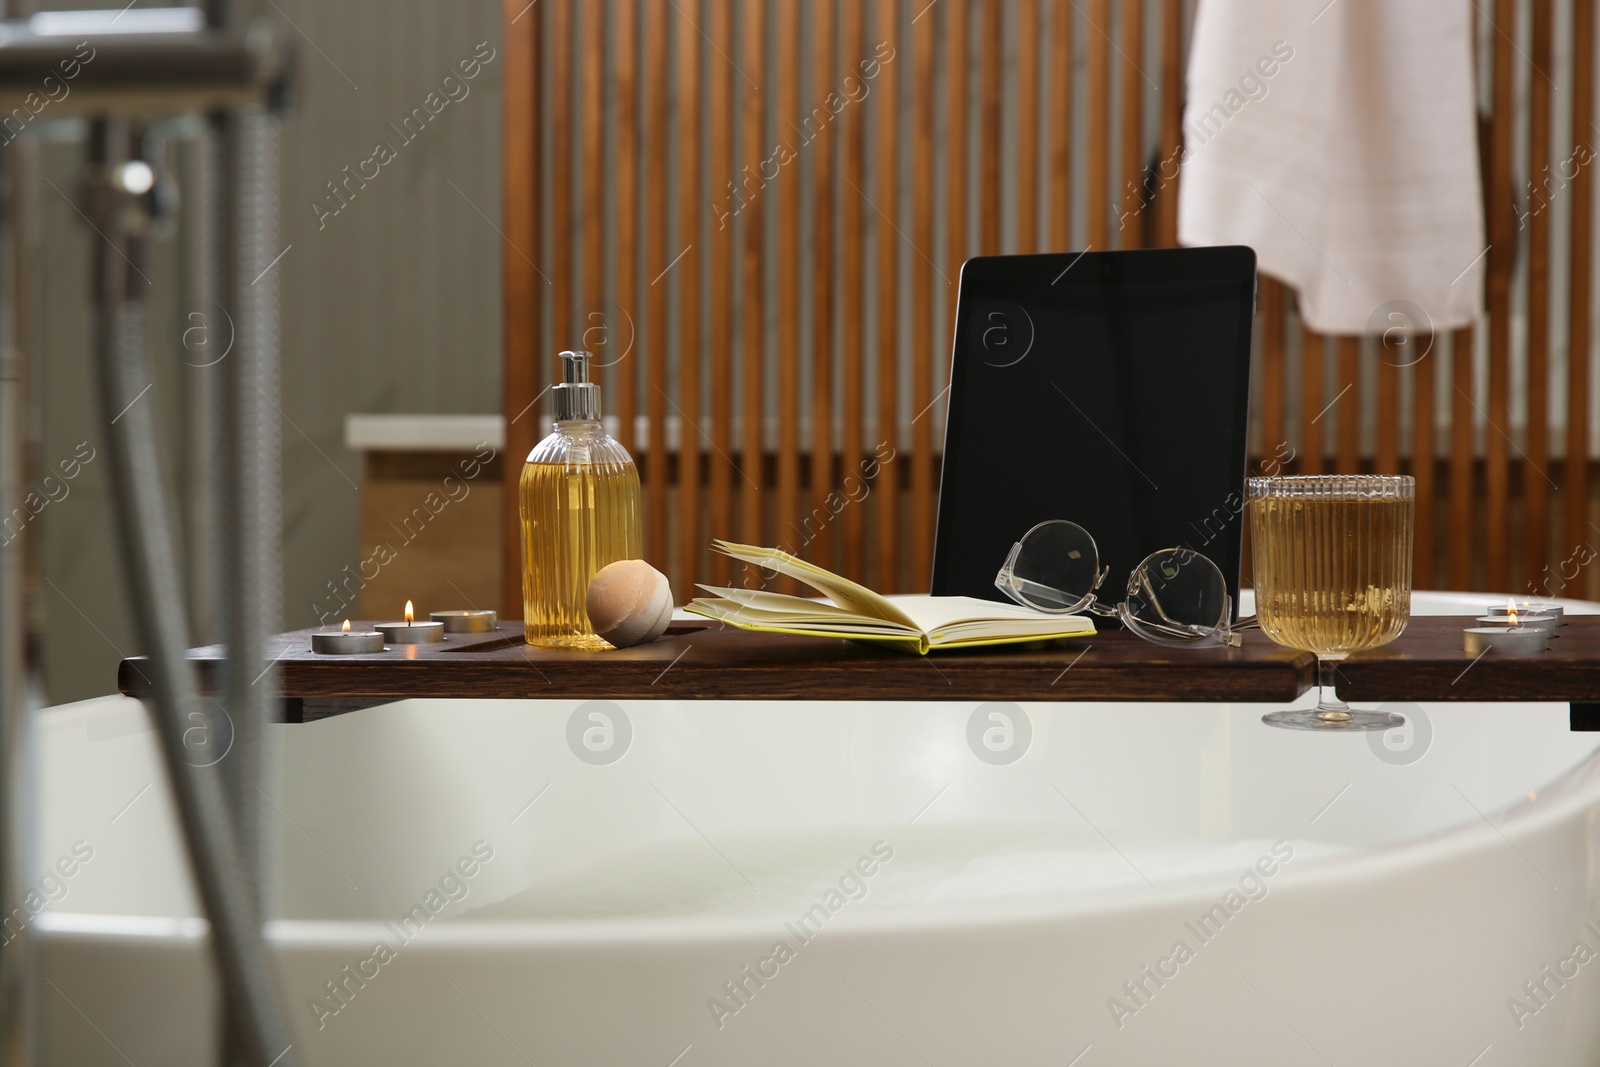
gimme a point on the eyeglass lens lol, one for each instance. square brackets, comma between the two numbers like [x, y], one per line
[1056, 566]
[1177, 593]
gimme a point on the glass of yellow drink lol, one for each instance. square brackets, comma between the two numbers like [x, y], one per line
[1332, 556]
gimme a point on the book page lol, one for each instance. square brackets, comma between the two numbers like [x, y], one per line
[759, 603]
[932, 613]
[971, 634]
[842, 591]
[730, 612]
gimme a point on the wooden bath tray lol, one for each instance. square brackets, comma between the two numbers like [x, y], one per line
[705, 661]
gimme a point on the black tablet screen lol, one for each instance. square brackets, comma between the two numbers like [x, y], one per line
[1110, 389]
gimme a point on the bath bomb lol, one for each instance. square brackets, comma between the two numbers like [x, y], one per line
[629, 603]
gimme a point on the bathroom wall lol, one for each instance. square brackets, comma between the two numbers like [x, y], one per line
[389, 305]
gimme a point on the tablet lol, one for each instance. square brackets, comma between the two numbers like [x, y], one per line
[1108, 388]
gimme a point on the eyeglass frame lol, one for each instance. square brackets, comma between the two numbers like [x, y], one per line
[1226, 632]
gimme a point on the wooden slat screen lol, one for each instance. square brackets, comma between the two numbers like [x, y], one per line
[885, 118]
[852, 303]
[1463, 532]
[756, 212]
[1581, 279]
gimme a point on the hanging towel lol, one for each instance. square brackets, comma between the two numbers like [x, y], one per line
[1339, 140]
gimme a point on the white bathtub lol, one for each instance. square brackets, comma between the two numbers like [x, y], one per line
[1426, 885]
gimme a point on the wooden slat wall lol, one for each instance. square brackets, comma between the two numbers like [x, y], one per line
[624, 394]
[719, 253]
[1130, 107]
[788, 283]
[825, 194]
[1098, 108]
[1274, 435]
[688, 284]
[657, 261]
[1535, 534]
[1061, 156]
[523, 303]
[1027, 188]
[1313, 404]
[886, 126]
[1423, 393]
[1500, 267]
[852, 303]
[1581, 279]
[991, 124]
[1346, 401]
[1387, 457]
[1171, 94]
[763, 207]
[923, 298]
[1463, 525]
[752, 214]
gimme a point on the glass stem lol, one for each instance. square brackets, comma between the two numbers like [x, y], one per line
[1329, 706]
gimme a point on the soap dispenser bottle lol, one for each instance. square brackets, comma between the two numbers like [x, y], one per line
[579, 498]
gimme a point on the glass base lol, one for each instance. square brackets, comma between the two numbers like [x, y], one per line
[1349, 719]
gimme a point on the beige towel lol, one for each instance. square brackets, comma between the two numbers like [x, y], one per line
[1339, 141]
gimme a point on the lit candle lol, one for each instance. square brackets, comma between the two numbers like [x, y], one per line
[411, 632]
[347, 642]
[1528, 607]
[466, 622]
[1513, 617]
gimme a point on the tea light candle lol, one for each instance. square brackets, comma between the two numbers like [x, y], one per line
[347, 642]
[1542, 609]
[409, 632]
[1538, 621]
[1503, 640]
[466, 622]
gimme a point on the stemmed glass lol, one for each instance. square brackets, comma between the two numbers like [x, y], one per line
[1332, 559]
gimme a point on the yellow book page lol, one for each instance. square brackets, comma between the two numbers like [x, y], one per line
[763, 607]
[842, 591]
[1013, 639]
[914, 643]
[934, 613]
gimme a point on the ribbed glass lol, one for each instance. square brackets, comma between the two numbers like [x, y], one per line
[579, 497]
[1332, 558]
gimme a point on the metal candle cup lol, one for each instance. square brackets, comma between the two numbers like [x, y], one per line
[466, 622]
[1526, 620]
[411, 633]
[1503, 640]
[347, 642]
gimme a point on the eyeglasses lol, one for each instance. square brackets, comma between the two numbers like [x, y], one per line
[1175, 597]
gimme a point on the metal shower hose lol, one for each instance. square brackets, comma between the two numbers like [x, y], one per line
[223, 870]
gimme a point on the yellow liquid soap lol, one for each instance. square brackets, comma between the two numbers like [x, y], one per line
[576, 518]
[579, 503]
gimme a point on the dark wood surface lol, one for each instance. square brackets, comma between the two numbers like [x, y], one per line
[1427, 663]
[697, 661]
[708, 661]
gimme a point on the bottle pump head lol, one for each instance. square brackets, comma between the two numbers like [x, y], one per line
[576, 396]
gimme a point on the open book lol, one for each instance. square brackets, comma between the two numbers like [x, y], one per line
[912, 623]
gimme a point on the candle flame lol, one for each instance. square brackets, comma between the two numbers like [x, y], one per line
[1511, 613]
[346, 627]
[410, 613]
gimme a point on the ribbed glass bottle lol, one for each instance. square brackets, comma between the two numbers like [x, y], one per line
[580, 510]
